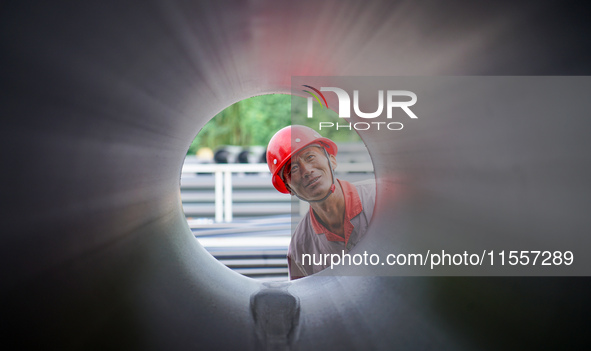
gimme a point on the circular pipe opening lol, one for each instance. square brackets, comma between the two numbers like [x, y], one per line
[228, 198]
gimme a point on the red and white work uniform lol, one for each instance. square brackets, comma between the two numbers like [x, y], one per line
[311, 237]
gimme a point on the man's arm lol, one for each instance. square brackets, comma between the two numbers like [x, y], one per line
[294, 270]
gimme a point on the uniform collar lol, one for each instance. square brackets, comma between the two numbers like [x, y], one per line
[353, 208]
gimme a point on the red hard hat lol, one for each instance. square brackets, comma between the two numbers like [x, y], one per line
[287, 142]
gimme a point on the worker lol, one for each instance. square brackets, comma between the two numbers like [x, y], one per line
[302, 164]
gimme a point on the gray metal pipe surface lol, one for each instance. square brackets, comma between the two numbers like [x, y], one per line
[100, 101]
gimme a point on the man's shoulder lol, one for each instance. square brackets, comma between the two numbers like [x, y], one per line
[367, 183]
[366, 188]
[303, 226]
[299, 235]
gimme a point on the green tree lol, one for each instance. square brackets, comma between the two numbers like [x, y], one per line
[255, 120]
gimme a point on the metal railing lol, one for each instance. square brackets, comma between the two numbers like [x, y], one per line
[223, 180]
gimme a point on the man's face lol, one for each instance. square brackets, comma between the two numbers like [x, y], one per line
[308, 174]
